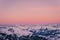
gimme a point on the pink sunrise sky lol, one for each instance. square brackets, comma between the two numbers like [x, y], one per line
[29, 11]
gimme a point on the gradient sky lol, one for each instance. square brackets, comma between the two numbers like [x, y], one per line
[29, 11]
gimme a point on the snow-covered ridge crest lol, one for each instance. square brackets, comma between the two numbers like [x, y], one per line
[19, 31]
[23, 30]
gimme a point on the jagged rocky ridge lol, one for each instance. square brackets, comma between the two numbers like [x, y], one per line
[29, 33]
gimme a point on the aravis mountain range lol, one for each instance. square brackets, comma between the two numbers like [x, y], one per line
[30, 32]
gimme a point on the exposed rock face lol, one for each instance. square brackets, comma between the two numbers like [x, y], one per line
[29, 33]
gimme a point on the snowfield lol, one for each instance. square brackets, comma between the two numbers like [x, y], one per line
[49, 32]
